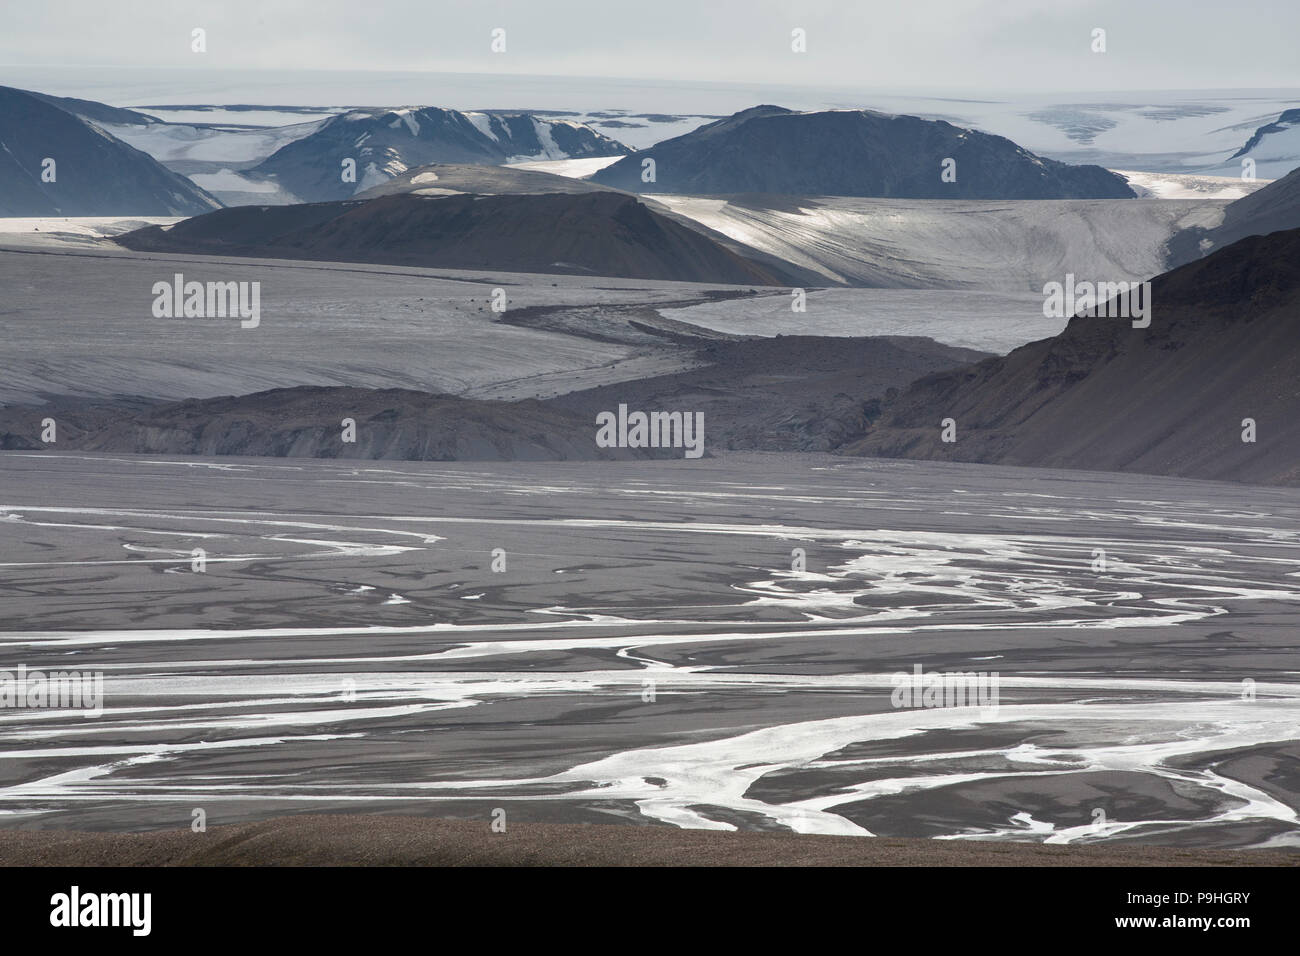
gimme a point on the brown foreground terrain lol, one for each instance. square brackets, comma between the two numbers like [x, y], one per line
[360, 840]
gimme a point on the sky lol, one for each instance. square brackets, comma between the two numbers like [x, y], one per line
[914, 44]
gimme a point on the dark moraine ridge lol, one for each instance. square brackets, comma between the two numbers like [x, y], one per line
[306, 422]
[1223, 346]
[789, 393]
[794, 393]
[769, 149]
[597, 233]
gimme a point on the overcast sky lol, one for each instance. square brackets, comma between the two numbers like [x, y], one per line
[954, 44]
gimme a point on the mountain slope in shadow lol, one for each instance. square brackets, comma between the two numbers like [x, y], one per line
[94, 173]
[1274, 208]
[1223, 346]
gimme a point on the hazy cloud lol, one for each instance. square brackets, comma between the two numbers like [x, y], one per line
[1001, 44]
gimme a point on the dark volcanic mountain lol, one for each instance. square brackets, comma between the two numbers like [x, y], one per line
[768, 149]
[1223, 346]
[598, 233]
[1274, 208]
[386, 143]
[96, 174]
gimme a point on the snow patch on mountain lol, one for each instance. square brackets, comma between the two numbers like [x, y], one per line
[571, 168]
[405, 116]
[549, 149]
[483, 123]
[376, 173]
